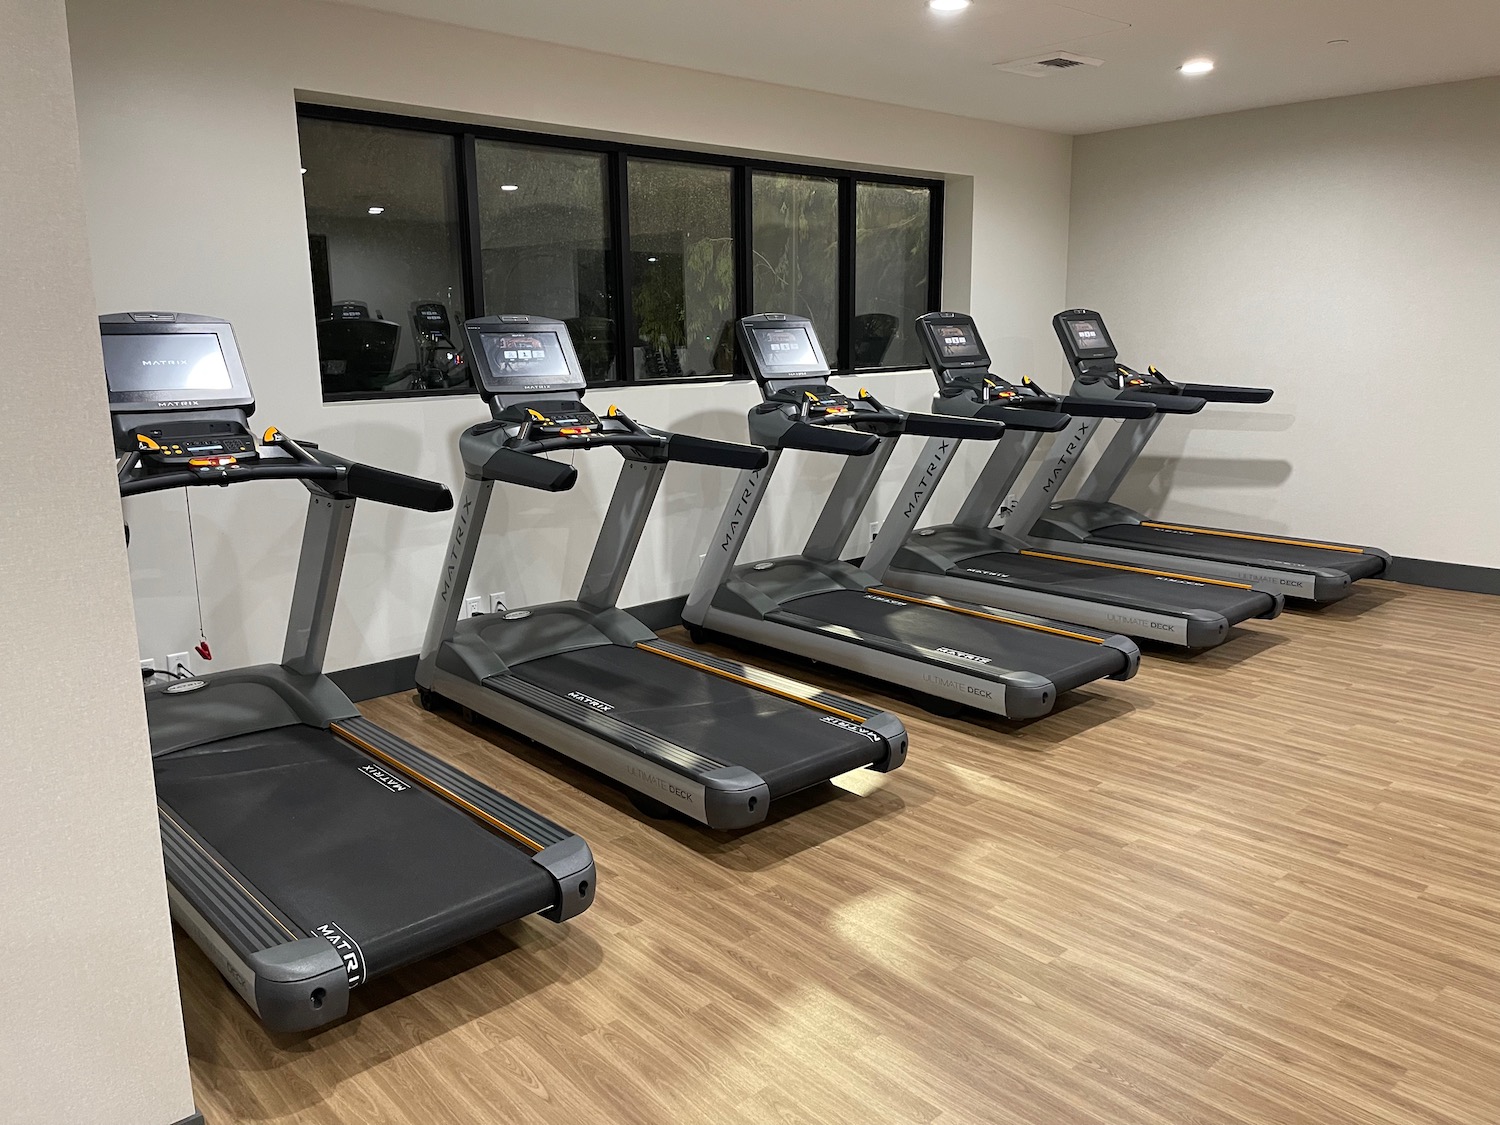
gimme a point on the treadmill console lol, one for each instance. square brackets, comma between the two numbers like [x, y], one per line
[1084, 338]
[520, 357]
[178, 394]
[782, 347]
[958, 359]
[1092, 355]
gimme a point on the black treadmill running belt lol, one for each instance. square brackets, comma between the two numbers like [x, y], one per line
[403, 873]
[1067, 662]
[1112, 586]
[1250, 552]
[786, 743]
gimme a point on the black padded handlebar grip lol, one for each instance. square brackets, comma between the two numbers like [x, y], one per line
[530, 472]
[1212, 393]
[705, 451]
[1026, 417]
[819, 439]
[962, 429]
[231, 475]
[1106, 408]
[366, 482]
[1165, 404]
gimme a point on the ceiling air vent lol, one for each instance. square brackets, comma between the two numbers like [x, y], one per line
[1043, 66]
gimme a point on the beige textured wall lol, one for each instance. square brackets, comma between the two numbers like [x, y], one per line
[195, 203]
[92, 1032]
[1345, 252]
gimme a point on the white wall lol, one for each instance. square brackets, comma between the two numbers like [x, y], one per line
[93, 1033]
[1344, 252]
[194, 203]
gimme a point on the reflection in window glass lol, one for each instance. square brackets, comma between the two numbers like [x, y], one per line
[893, 232]
[796, 241]
[545, 243]
[681, 268]
[383, 239]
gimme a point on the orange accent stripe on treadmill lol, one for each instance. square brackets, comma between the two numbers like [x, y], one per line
[1256, 538]
[186, 835]
[812, 703]
[1138, 570]
[987, 616]
[498, 825]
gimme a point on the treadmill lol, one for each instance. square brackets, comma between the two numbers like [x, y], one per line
[971, 558]
[684, 731]
[307, 850]
[818, 606]
[1090, 524]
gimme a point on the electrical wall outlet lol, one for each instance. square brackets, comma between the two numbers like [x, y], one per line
[497, 603]
[147, 666]
[473, 607]
[874, 529]
[180, 663]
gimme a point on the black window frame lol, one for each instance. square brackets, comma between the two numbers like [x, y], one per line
[617, 153]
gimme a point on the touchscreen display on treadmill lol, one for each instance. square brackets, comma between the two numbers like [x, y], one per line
[956, 342]
[1088, 335]
[525, 356]
[786, 347]
[164, 361]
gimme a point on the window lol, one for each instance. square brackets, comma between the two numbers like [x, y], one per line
[892, 264]
[384, 240]
[681, 269]
[544, 243]
[648, 255]
[796, 240]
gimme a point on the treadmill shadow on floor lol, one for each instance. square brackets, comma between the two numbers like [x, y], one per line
[1077, 713]
[389, 1015]
[1243, 645]
[1368, 595]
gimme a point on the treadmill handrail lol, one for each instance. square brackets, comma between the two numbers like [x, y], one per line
[950, 426]
[1212, 392]
[1122, 409]
[826, 439]
[1165, 403]
[1025, 418]
[224, 475]
[329, 473]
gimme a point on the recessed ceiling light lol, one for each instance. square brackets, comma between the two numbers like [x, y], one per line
[377, 210]
[948, 5]
[510, 187]
[1194, 67]
[650, 259]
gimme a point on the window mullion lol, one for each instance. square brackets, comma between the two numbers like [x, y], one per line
[846, 273]
[471, 243]
[619, 213]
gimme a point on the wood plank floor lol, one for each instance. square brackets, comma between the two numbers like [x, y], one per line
[1257, 886]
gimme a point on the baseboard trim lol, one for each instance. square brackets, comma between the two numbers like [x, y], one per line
[1444, 575]
[370, 681]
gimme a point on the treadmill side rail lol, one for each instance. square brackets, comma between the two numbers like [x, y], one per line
[292, 981]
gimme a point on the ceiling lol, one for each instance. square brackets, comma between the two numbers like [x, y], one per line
[1268, 52]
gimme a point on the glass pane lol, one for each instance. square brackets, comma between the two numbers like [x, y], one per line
[545, 243]
[681, 269]
[893, 232]
[383, 238]
[796, 240]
